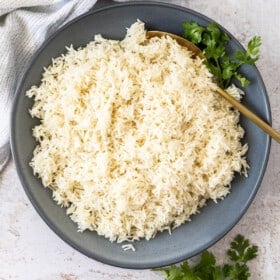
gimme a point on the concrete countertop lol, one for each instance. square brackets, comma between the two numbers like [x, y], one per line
[30, 250]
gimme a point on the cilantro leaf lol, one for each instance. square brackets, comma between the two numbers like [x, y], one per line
[228, 67]
[240, 252]
[205, 267]
[173, 273]
[236, 271]
[193, 31]
[213, 42]
[243, 81]
[251, 55]
[253, 47]
[214, 31]
[184, 272]
[218, 273]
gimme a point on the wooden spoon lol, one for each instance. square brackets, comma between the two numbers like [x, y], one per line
[242, 109]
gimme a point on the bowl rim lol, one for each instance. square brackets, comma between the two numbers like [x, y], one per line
[39, 209]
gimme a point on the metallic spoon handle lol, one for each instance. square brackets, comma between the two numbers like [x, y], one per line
[241, 108]
[250, 115]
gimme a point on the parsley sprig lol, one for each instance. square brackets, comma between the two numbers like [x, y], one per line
[240, 253]
[213, 42]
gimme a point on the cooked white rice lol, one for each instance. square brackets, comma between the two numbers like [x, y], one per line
[133, 138]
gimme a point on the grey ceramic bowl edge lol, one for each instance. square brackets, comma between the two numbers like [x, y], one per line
[41, 212]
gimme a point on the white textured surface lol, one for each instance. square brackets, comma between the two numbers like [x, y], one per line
[30, 250]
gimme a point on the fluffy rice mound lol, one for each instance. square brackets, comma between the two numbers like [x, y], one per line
[133, 138]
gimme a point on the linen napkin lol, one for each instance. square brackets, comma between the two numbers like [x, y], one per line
[24, 25]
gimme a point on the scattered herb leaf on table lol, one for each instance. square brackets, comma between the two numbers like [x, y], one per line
[240, 253]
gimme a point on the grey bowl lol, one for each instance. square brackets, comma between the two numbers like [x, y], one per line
[206, 228]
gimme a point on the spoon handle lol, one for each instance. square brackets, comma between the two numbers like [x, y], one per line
[250, 115]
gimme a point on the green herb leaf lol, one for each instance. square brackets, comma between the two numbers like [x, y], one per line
[213, 42]
[218, 273]
[214, 31]
[252, 53]
[172, 273]
[229, 67]
[243, 81]
[205, 268]
[239, 253]
[237, 272]
[193, 31]
[188, 272]
[254, 46]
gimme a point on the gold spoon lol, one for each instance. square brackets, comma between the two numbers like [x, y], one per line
[241, 108]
